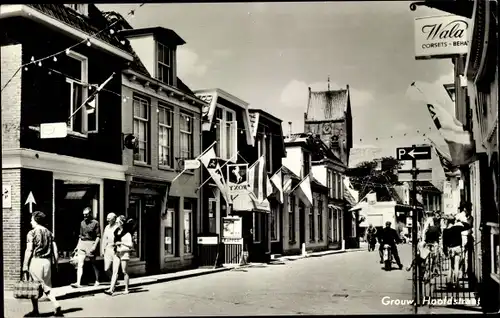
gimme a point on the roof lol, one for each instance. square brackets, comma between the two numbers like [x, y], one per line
[327, 105]
[90, 25]
[163, 33]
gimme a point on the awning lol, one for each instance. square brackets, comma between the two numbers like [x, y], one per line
[245, 203]
[462, 8]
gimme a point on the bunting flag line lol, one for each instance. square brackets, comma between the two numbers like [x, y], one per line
[304, 192]
[460, 141]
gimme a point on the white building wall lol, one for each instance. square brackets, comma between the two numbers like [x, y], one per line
[293, 160]
[319, 173]
[145, 48]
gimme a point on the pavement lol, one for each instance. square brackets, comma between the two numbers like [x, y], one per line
[348, 283]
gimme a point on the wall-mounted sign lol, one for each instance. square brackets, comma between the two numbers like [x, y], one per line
[226, 240]
[208, 240]
[6, 196]
[232, 227]
[53, 130]
[237, 179]
[441, 36]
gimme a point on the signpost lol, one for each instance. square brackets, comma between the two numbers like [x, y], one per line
[414, 153]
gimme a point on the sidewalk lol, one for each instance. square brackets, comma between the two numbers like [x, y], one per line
[66, 292]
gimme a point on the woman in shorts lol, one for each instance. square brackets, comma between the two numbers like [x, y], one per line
[122, 246]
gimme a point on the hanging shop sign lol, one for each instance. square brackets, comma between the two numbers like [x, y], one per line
[237, 179]
[441, 36]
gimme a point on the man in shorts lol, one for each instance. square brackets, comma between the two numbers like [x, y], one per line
[108, 243]
[90, 234]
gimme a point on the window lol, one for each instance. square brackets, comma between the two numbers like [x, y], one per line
[306, 163]
[170, 228]
[340, 186]
[226, 128]
[311, 221]
[275, 223]
[80, 119]
[329, 183]
[291, 218]
[164, 72]
[164, 136]
[186, 133]
[141, 128]
[320, 220]
[212, 215]
[135, 211]
[188, 219]
[257, 227]
[333, 190]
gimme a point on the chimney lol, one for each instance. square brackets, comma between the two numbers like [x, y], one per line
[347, 86]
[289, 129]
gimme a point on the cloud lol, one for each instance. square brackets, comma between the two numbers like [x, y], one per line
[294, 94]
[189, 64]
[222, 53]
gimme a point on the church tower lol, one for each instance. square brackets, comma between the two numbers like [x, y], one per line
[328, 115]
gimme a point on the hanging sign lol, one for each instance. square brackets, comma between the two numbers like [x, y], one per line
[441, 36]
[237, 179]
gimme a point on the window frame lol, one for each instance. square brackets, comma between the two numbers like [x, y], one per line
[162, 64]
[276, 225]
[84, 83]
[222, 147]
[168, 127]
[312, 234]
[147, 142]
[291, 218]
[190, 213]
[174, 241]
[189, 118]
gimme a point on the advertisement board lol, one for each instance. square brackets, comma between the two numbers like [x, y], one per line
[237, 179]
[232, 227]
[441, 36]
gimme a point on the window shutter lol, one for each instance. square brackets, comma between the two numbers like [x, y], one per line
[234, 141]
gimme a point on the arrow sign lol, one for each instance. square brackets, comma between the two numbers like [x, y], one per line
[30, 201]
[414, 153]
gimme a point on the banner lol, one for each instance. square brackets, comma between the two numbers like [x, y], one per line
[237, 179]
[304, 192]
[277, 180]
[460, 141]
[212, 164]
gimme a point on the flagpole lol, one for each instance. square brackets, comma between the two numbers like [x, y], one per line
[92, 95]
[184, 170]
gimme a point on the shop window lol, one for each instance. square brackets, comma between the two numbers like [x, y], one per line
[320, 220]
[212, 215]
[311, 221]
[257, 227]
[70, 201]
[189, 206]
[275, 223]
[134, 212]
[170, 227]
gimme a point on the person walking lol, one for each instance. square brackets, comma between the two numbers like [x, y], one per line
[122, 246]
[467, 220]
[452, 248]
[90, 234]
[108, 244]
[371, 237]
[41, 253]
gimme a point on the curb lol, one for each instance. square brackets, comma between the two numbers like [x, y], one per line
[293, 258]
[143, 282]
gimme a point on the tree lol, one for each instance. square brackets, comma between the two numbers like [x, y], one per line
[365, 177]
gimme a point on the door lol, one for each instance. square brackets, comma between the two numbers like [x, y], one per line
[302, 223]
[331, 238]
[151, 217]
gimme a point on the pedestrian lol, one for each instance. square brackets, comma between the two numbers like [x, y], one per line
[90, 234]
[122, 246]
[371, 237]
[452, 248]
[467, 220]
[41, 253]
[108, 244]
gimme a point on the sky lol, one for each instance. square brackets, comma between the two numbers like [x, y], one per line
[269, 53]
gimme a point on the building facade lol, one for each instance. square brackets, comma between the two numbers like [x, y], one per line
[164, 116]
[59, 176]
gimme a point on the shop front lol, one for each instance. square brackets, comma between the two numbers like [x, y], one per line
[335, 232]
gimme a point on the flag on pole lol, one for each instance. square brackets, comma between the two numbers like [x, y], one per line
[214, 167]
[460, 141]
[445, 159]
[287, 183]
[277, 180]
[90, 103]
[304, 192]
[256, 179]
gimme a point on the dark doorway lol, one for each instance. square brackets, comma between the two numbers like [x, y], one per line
[151, 217]
[302, 223]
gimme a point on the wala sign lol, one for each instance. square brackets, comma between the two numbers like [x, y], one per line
[441, 36]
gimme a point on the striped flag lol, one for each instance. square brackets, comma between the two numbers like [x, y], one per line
[277, 180]
[445, 159]
[257, 180]
[304, 192]
[460, 141]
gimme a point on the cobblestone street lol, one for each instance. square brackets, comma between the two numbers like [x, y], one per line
[349, 283]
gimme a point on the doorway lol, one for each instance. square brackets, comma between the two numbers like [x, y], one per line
[302, 223]
[151, 217]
